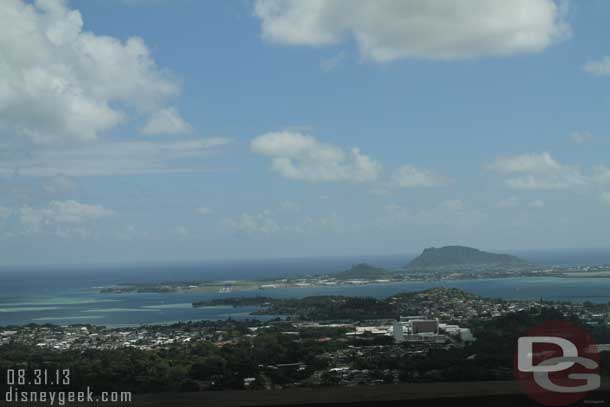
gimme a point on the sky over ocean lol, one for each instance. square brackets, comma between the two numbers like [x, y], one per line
[165, 131]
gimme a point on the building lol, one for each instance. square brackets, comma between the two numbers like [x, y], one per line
[466, 335]
[419, 326]
[397, 332]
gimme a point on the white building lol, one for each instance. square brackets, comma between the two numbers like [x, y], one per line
[397, 332]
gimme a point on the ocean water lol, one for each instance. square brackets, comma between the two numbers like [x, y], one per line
[66, 295]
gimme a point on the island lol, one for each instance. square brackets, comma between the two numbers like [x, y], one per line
[365, 271]
[433, 264]
[459, 257]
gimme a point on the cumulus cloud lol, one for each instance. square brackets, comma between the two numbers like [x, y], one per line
[411, 177]
[290, 206]
[302, 157]
[330, 64]
[543, 172]
[449, 213]
[452, 205]
[514, 202]
[536, 204]
[537, 172]
[258, 223]
[63, 212]
[386, 30]
[182, 232]
[535, 163]
[598, 67]
[203, 211]
[165, 121]
[272, 223]
[62, 84]
[59, 184]
[4, 213]
[130, 233]
[601, 175]
[114, 157]
[507, 203]
[144, 2]
[581, 137]
[64, 218]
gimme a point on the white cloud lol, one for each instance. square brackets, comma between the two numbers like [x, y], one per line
[538, 172]
[386, 30]
[60, 84]
[259, 223]
[598, 67]
[514, 202]
[411, 177]
[318, 225]
[182, 232]
[535, 183]
[536, 204]
[4, 213]
[144, 2]
[165, 121]
[543, 172]
[605, 196]
[203, 211]
[290, 206]
[510, 202]
[302, 157]
[452, 205]
[450, 213]
[130, 233]
[527, 163]
[272, 223]
[63, 212]
[113, 158]
[64, 218]
[601, 175]
[59, 184]
[581, 137]
[330, 64]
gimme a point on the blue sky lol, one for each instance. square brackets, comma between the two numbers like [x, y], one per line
[184, 130]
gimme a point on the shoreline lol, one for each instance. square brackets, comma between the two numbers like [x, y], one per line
[79, 300]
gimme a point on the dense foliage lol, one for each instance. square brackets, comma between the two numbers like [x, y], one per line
[275, 357]
[314, 308]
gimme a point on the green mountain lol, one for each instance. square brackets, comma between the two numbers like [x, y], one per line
[364, 271]
[461, 256]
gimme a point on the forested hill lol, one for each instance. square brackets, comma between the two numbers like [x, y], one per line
[457, 256]
[364, 271]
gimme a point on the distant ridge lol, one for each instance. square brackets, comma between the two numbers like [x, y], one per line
[460, 257]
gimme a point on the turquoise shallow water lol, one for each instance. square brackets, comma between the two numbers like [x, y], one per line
[64, 295]
[73, 305]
